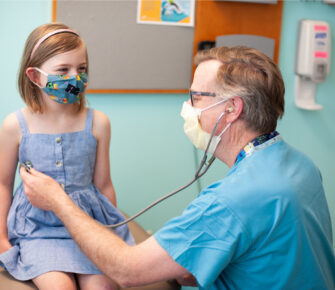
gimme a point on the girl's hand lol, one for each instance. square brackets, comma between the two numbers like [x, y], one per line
[5, 245]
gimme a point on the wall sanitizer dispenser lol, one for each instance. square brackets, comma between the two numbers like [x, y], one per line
[312, 61]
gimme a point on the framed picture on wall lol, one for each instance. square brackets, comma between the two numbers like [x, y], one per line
[166, 12]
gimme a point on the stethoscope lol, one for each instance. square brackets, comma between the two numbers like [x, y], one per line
[202, 169]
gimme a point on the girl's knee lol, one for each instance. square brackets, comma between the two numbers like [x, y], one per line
[96, 282]
[55, 281]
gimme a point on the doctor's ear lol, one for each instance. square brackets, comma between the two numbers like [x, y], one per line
[235, 108]
[33, 75]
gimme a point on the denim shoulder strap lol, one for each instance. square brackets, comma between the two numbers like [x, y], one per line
[89, 119]
[22, 122]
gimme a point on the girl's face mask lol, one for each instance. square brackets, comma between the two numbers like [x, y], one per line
[64, 89]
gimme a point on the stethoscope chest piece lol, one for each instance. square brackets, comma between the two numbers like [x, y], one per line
[27, 165]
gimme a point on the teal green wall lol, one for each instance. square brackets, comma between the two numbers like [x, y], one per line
[150, 155]
[311, 132]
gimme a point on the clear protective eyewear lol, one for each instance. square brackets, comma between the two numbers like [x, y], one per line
[196, 93]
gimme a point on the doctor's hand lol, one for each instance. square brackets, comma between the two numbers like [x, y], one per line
[42, 191]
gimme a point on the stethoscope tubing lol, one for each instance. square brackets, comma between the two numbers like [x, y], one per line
[199, 173]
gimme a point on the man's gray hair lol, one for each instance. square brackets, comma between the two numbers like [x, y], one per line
[255, 78]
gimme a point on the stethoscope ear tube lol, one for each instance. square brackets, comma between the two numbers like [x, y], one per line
[199, 172]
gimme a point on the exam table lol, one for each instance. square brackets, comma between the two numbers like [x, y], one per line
[7, 282]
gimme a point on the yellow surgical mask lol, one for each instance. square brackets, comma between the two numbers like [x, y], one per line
[193, 130]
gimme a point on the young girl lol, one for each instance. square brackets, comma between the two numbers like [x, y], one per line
[58, 135]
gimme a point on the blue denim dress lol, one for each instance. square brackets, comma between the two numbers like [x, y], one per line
[40, 241]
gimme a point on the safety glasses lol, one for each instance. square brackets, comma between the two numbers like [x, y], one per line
[196, 93]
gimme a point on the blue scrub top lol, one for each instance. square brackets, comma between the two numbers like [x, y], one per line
[266, 225]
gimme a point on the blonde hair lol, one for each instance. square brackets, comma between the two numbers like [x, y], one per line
[55, 44]
[255, 78]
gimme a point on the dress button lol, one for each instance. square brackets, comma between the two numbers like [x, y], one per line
[59, 163]
[58, 139]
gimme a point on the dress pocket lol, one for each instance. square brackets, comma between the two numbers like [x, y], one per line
[36, 217]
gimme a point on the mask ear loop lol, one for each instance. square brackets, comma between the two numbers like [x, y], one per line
[40, 71]
[225, 129]
[211, 106]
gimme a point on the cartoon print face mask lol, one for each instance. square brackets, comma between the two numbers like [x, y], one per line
[64, 89]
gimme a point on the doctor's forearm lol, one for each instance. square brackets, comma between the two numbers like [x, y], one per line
[142, 264]
[106, 250]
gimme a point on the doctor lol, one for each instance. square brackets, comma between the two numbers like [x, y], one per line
[266, 225]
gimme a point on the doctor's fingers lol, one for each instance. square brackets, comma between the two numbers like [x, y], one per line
[28, 181]
[35, 176]
[39, 188]
[24, 174]
[33, 171]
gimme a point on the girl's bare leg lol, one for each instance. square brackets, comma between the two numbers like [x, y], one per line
[96, 282]
[55, 281]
